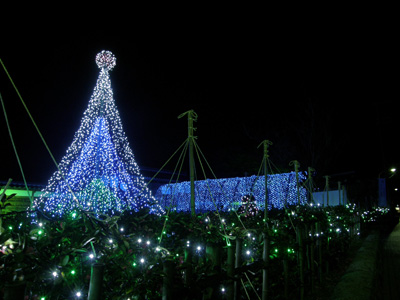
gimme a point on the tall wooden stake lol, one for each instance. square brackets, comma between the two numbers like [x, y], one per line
[192, 117]
[96, 282]
[230, 272]
[299, 233]
[312, 258]
[296, 169]
[327, 189]
[266, 143]
[189, 268]
[168, 268]
[310, 185]
[238, 264]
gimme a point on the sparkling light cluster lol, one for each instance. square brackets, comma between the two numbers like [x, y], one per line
[226, 194]
[99, 166]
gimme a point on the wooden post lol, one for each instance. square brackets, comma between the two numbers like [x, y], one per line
[14, 292]
[265, 269]
[299, 233]
[167, 280]
[230, 270]
[96, 282]
[192, 117]
[310, 185]
[296, 165]
[312, 256]
[344, 199]
[327, 189]
[189, 266]
[266, 143]
[191, 162]
[285, 263]
[213, 256]
[238, 263]
[286, 277]
[319, 249]
[213, 253]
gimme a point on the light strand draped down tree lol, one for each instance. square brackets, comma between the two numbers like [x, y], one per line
[99, 172]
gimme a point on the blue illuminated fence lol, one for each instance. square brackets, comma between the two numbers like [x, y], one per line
[226, 193]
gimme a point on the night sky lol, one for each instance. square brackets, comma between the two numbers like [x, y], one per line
[325, 97]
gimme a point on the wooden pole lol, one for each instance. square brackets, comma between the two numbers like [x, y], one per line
[191, 163]
[238, 263]
[265, 269]
[213, 253]
[319, 250]
[296, 169]
[285, 277]
[167, 280]
[327, 189]
[189, 266]
[192, 117]
[266, 143]
[230, 270]
[213, 258]
[14, 292]
[312, 257]
[344, 198]
[96, 282]
[310, 185]
[299, 231]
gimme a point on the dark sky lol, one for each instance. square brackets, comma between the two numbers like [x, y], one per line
[324, 96]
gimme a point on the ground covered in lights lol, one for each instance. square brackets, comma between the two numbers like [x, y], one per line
[53, 258]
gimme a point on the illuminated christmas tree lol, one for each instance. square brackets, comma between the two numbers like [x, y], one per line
[98, 172]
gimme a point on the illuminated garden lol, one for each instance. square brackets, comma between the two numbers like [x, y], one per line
[97, 231]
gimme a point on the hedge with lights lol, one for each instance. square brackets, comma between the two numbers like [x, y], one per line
[53, 258]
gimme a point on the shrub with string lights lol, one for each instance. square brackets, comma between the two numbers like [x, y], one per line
[53, 258]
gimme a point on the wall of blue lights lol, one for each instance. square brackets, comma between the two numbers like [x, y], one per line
[226, 194]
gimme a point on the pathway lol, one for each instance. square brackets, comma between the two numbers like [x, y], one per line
[388, 267]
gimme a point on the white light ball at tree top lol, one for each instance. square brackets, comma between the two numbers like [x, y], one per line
[105, 59]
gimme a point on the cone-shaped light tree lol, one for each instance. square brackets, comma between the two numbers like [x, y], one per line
[99, 172]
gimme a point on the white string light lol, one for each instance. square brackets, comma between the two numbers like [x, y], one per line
[99, 166]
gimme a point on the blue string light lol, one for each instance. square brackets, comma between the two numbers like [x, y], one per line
[226, 193]
[99, 166]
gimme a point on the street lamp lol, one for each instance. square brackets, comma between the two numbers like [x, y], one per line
[382, 198]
